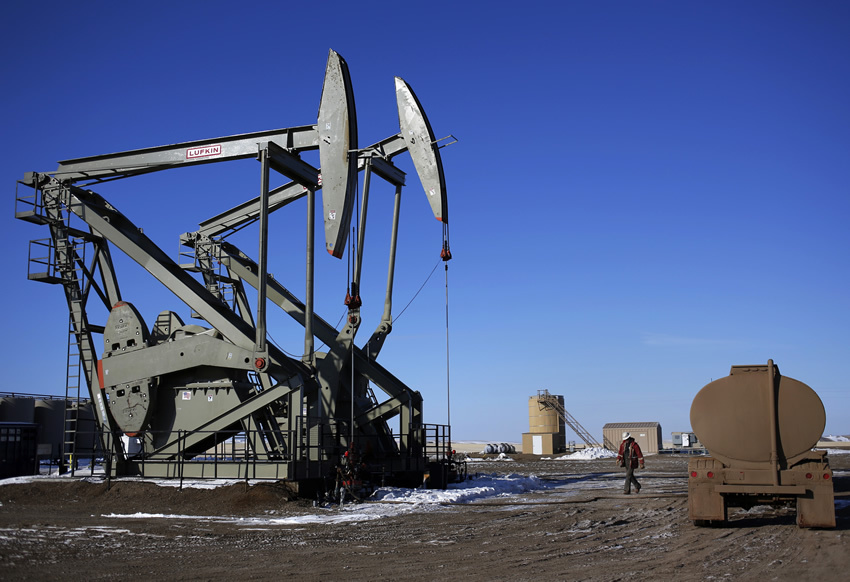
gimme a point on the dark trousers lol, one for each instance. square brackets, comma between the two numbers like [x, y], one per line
[630, 479]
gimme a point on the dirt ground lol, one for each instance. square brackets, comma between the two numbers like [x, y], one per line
[580, 528]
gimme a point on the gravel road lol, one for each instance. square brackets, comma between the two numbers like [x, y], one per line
[579, 527]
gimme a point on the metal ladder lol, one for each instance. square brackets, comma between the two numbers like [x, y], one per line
[74, 252]
[57, 261]
[546, 400]
[206, 260]
[72, 398]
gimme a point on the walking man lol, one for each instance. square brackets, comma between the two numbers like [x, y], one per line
[630, 457]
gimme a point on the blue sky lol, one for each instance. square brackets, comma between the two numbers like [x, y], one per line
[642, 194]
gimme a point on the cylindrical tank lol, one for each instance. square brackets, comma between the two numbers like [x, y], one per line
[17, 409]
[732, 417]
[544, 419]
[87, 438]
[50, 416]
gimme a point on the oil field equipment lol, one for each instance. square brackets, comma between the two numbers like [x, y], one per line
[221, 399]
[551, 402]
[548, 419]
[760, 428]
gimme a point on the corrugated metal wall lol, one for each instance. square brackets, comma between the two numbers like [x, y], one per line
[646, 434]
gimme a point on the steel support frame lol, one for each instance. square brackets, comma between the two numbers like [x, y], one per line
[281, 377]
[286, 373]
[341, 343]
[104, 218]
[403, 400]
[56, 202]
[144, 161]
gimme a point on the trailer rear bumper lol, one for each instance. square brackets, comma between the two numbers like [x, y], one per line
[762, 489]
[713, 488]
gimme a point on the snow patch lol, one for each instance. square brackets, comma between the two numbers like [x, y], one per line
[385, 502]
[588, 454]
[99, 476]
[500, 457]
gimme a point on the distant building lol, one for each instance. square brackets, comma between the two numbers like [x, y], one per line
[646, 434]
[18, 448]
[686, 441]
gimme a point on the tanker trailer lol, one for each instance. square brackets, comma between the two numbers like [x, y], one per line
[759, 428]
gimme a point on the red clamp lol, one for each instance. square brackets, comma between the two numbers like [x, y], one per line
[446, 254]
[352, 302]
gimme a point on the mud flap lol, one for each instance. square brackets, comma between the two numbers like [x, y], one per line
[816, 508]
[705, 505]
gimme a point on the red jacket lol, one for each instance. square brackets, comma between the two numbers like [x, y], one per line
[636, 456]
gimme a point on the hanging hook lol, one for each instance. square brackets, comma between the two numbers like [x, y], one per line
[445, 253]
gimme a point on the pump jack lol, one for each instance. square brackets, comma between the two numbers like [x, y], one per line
[179, 400]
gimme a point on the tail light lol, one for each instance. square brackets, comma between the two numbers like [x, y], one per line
[710, 474]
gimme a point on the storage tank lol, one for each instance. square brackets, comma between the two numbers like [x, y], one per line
[17, 409]
[18, 449]
[545, 419]
[87, 443]
[50, 416]
[759, 428]
[547, 429]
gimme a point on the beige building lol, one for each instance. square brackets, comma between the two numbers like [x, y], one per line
[646, 434]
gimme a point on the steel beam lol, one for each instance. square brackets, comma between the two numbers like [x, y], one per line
[104, 218]
[196, 435]
[191, 153]
[246, 269]
[247, 212]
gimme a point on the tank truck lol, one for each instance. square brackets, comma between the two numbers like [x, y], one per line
[759, 429]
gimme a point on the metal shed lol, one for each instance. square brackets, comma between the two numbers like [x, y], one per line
[646, 434]
[18, 444]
